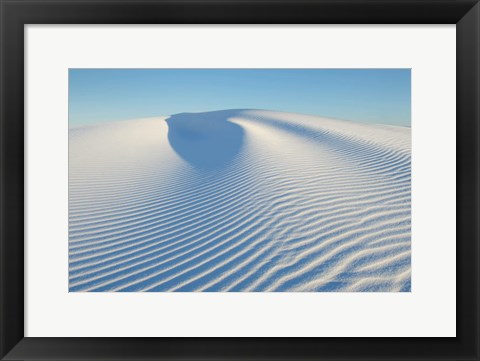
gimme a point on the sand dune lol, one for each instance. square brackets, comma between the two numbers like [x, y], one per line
[239, 200]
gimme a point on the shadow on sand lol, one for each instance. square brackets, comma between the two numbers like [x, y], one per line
[208, 141]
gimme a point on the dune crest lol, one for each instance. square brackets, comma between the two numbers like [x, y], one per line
[206, 141]
[239, 200]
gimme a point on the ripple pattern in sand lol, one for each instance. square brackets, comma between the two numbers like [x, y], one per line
[239, 200]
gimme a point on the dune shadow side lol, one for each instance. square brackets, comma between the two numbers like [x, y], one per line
[207, 141]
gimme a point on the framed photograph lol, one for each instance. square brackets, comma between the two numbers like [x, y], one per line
[239, 180]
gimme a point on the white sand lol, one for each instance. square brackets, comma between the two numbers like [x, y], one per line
[239, 200]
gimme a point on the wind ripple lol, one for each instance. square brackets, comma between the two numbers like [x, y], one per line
[294, 203]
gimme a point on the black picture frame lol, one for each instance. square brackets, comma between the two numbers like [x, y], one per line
[15, 14]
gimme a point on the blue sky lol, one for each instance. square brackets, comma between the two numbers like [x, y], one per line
[365, 95]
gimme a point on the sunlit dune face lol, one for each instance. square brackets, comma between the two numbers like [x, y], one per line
[240, 201]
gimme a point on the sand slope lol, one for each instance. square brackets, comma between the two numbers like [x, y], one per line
[239, 200]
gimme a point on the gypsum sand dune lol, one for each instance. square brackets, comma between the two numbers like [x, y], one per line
[239, 200]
